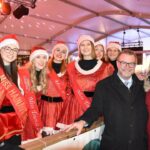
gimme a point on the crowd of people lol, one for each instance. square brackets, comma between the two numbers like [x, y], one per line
[38, 98]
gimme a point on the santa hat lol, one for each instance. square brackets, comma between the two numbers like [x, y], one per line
[60, 44]
[38, 51]
[8, 40]
[114, 45]
[99, 43]
[84, 38]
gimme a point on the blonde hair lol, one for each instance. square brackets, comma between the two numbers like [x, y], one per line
[42, 78]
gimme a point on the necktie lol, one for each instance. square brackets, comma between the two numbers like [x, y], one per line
[126, 84]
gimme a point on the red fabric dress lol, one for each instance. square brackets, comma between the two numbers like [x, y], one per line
[13, 111]
[81, 81]
[148, 109]
[34, 123]
[50, 110]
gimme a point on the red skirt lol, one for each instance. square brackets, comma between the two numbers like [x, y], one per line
[28, 131]
[71, 111]
[50, 112]
[9, 125]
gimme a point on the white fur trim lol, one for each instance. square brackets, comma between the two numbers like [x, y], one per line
[38, 52]
[9, 42]
[93, 70]
[84, 38]
[97, 43]
[62, 126]
[61, 74]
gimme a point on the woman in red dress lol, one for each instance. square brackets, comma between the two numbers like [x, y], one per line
[52, 101]
[33, 83]
[13, 110]
[83, 76]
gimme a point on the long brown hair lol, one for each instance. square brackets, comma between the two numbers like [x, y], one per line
[14, 71]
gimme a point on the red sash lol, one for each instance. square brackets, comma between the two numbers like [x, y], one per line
[2, 94]
[33, 112]
[82, 99]
[15, 97]
[58, 84]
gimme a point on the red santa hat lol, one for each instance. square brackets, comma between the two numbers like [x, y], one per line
[114, 44]
[84, 38]
[38, 51]
[8, 40]
[60, 44]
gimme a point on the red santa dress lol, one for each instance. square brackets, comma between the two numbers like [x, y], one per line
[34, 123]
[83, 84]
[52, 102]
[13, 110]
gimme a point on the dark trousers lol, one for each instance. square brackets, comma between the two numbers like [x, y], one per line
[12, 143]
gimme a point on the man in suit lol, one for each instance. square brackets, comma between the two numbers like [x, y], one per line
[123, 107]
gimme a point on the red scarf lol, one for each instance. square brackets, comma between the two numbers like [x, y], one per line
[82, 99]
[58, 84]
[14, 95]
[31, 102]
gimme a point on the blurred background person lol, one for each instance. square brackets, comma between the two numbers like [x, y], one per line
[99, 51]
[112, 52]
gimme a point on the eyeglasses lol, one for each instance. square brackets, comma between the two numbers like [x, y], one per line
[124, 64]
[9, 50]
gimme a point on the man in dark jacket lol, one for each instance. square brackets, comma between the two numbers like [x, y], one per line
[121, 100]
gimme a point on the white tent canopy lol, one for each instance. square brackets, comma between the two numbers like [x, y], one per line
[64, 20]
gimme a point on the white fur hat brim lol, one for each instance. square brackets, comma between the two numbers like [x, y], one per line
[114, 45]
[7, 42]
[38, 52]
[84, 38]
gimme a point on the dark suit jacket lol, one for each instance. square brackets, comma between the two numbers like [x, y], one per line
[124, 112]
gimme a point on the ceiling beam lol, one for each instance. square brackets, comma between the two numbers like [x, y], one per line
[74, 25]
[94, 14]
[125, 9]
[69, 26]
[91, 11]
